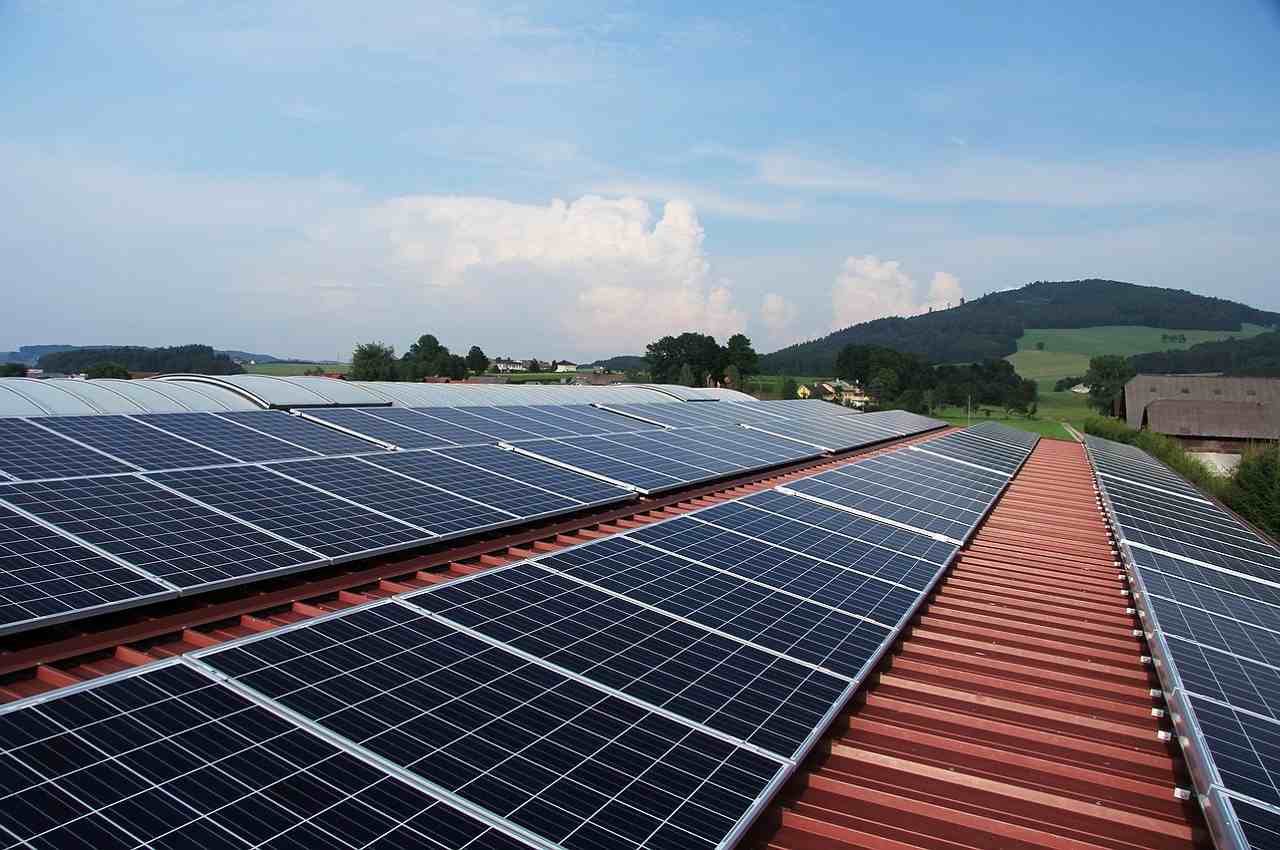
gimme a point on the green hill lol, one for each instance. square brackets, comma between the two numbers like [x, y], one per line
[991, 326]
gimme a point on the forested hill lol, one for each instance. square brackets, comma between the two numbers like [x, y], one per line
[201, 359]
[990, 326]
[1257, 356]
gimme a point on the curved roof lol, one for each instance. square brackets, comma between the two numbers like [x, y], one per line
[298, 391]
[684, 393]
[73, 397]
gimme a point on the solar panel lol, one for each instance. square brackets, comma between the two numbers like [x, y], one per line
[296, 430]
[133, 442]
[907, 508]
[516, 417]
[1157, 507]
[1245, 749]
[28, 452]
[737, 448]
[891, 558]
[1256, 638]
[927, 477]
[415, 503]
[590, 420]
[556, 756]
[472, 482]
[473, 419]
[958, 446]
[227, 437]
[354, 419]
[572, 485]
[1239, 682]
[592, 455]
[1202, 544]
[168, 758]
[778, 621]
[731, 687]
[445, 431]
[1144, 474]
[876, 598]
[310, 518]
[774, 503]
[833, 436]
[1004, 434]
[639, 448]
[1153, 565]
[1260, 827]
[45, 577]
[1221, 603]
[158, 531]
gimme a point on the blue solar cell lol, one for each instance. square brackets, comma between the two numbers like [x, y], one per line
[447, 432]
[355, 419]
[412, 502]
[1238, 682]
[294, 429]
[225, 436]
[909, 509]
[856, 593]
[1245, 749]
[158, 531]
[1222, 631]
[28, 452]
[45, 577]
[525, 420]
[1153, 565]
[333, 527]
[572, 485]
[881, 560]
[470, 482]
[169, 758]
[592, 455]
[773, 503]
[558, 757]
[1261, 827]
[133, 442]
[785, 623]
[474, 419]
[700, 675]
[662, 445]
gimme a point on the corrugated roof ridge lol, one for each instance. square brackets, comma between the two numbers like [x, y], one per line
[1016, 713]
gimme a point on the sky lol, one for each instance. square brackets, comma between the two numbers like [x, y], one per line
[575, 179]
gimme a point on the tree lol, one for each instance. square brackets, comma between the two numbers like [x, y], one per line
[107, 369]
[789, 388]
[1039, 346]
[733, 376]
[424, 358]
[883, 385]
[535, 366]
[476, 360]
[667, 357]
[13, 370]
[739, 353]
[1106, 378]
[373, 361]
[453, 366]
[686, 376]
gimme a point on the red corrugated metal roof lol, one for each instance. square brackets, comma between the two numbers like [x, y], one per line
[1016, 712]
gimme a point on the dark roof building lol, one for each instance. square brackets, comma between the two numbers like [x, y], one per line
[1210, 407]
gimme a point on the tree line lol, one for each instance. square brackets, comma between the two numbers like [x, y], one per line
[425, 358]
[1256, 356]
[200, 359]
[906, 380]
[697, 360]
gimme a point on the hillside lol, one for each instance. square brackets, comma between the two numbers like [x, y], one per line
[1257, 356]
[989, 327]
[623, 362]
[178, 358]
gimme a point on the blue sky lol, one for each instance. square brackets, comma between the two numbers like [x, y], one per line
[574, 179]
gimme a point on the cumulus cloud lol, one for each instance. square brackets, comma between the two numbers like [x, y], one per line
[603, 271]
[870, 288]
[777, 313]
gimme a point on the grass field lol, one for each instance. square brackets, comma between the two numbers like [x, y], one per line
[283, 369]
[1067, 350]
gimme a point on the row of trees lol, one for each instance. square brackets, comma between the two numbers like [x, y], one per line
[695, 360]
[200, 359]
[425, 358]
[898, 379]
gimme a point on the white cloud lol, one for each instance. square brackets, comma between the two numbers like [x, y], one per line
[777, 313]
[705, 199]
[868, 288]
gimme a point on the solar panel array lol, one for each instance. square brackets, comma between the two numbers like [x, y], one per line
[111, 511]
[651, 689]
[1208, 591]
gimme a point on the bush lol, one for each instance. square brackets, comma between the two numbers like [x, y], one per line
[1255, 488]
